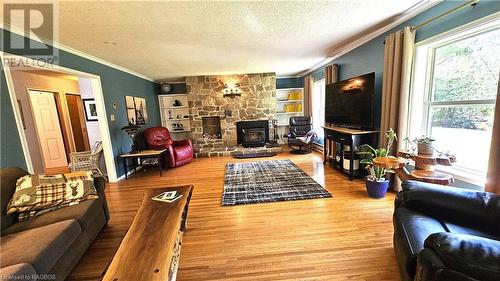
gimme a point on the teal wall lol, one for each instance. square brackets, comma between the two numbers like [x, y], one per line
[289, 82]
[369, 57]
[11, 151]
[116, 84]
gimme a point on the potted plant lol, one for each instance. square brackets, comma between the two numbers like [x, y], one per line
[376, 183]
[423, 145]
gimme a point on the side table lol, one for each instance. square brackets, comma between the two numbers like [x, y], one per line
[149, 153]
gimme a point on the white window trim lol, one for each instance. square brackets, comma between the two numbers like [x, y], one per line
[322, 104]
[420, 102]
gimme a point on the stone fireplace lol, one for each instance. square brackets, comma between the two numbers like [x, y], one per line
[257, 102]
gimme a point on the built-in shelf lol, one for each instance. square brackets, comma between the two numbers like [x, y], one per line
[290, 99]
[287, 101]
[167, 109]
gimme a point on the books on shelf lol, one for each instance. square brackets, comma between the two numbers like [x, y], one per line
[295, 95]
[293, 107]
[167, 196]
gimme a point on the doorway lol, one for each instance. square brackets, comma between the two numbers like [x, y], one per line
[77, 119]
[48, 131]
[21, 107]
[46, 99]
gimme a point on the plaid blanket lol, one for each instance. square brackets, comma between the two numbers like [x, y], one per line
[39, 194]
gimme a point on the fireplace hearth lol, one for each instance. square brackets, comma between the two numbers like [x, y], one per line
[252, 133]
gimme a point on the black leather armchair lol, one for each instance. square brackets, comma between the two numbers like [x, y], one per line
[446, 233]
[301, 136]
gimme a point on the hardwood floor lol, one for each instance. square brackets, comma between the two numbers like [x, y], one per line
[345, 237]
[57, 170]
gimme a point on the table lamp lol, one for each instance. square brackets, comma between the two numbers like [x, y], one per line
[131, 131]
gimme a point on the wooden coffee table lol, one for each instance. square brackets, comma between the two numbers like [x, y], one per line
[150, 250]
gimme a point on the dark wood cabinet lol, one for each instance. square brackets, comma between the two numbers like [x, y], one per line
[335, 140]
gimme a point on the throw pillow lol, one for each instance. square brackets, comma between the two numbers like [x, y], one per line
[39, 194]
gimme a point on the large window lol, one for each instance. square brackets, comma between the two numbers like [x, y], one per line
[318, 108]
[456, 77]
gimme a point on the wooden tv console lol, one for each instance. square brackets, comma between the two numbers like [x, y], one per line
[337, 137]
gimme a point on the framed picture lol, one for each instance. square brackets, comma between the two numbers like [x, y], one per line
[137, 113]
[90, 109]
[130, 106]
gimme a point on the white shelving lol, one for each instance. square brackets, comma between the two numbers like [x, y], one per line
[287, 99]
[283, 99]
[289, 113]
[174, 117]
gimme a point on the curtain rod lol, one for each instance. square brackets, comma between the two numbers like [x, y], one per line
[458, 8]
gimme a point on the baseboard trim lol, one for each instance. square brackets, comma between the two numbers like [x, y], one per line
[122, 177]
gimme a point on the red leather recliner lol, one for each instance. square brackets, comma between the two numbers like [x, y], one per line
[179, 152]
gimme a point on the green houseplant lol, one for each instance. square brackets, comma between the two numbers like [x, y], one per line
[376, 182]
[422, 144]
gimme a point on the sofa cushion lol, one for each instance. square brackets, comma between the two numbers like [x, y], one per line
[480, 210]
[459, 229]
[84, 212]
[8, 179]
[41, 247]
[20, 271]
[411, 229]
[473, 256]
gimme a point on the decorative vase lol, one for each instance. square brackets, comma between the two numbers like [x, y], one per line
[376, 189]
[425, 148]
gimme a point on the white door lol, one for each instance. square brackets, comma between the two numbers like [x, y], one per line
[48, 129]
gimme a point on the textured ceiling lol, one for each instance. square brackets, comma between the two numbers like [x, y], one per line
[172, 39]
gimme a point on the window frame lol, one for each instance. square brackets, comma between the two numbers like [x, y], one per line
[421, 102]
[321, 104]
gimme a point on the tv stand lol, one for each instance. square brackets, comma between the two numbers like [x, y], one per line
[337, 137]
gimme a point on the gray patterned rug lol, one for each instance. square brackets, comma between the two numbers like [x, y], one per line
[268, 181]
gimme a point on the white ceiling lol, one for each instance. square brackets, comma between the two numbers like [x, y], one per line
[166, 39]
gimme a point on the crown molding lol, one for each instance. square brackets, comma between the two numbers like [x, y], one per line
[74, 51]
[346, 48]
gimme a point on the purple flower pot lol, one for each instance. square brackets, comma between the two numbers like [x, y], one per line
[376, 189]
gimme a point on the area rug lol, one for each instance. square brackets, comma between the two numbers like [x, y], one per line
[268, 181]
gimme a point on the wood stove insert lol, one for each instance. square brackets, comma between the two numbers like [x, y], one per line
[252, 133]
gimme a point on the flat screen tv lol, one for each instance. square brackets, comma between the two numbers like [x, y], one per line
[349, 103]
